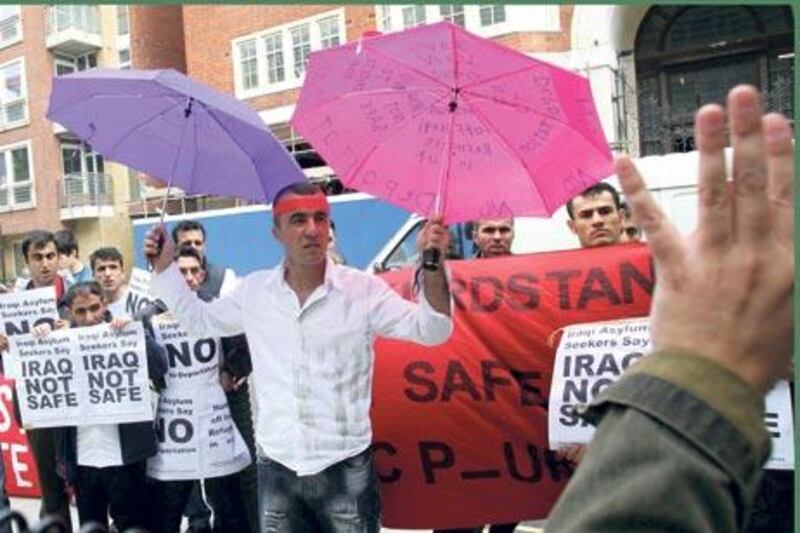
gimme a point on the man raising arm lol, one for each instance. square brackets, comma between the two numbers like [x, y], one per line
[311, 325]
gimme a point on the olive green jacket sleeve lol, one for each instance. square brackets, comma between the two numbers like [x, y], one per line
[679, 446]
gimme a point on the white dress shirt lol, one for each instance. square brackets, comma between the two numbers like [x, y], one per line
[99, 446]
[312, 364]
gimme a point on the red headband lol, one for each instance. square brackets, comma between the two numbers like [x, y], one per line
[316, 202]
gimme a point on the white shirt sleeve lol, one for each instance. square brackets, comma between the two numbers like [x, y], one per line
[219, 318]
[229, 282]
[395, 317]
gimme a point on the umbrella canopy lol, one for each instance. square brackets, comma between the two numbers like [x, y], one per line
[440, 121]
[180, 131]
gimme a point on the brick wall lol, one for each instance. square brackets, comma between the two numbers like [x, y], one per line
[543, 41]
[45, 156]
[209, 30]
[157, 37]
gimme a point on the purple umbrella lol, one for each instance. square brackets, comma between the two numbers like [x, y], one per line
[164, 124]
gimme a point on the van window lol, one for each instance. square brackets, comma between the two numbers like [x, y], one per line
[405, 253]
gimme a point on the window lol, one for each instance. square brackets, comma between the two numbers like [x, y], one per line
[83, 168]
[492, 15]
[124, 59]
[406, 254]
[123, 24]
[10, 27]
[68, 64]
[274, 48]
[413, 16]
[688, 56]
[301, 48]
[13, 98]
[86, 62]
[329, 32]
[453, 13]
[385, 17]
[487, 20]
[301, 150]
[275, 59]
[79, 158]
[249, 64]
[62, 17]
[16, 184]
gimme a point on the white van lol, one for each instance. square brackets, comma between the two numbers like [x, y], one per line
[672, 179]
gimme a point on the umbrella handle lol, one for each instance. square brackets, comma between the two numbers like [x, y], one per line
[431, 259]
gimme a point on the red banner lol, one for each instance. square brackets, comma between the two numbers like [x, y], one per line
[461, 429]
[22, 478]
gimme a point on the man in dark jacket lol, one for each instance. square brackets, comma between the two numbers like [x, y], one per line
[106, 463]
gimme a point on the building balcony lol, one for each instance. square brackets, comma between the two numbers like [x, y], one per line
[89, 195]
[73, 30]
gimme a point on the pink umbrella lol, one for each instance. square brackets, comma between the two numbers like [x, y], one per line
[439, 121]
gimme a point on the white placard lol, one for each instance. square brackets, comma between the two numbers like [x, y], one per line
[81, 376]
[139, 295]
[196, 434]
[20, 311]
[592, 356]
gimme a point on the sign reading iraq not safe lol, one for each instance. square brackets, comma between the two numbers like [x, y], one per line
[590, 357]
[81, 376]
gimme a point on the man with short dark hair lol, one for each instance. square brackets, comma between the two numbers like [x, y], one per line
[108, 268]
[630, 232]
[493, 237]
[41, 256]
[75, 270]
[311, 326]
[218, 280]
[594, 216]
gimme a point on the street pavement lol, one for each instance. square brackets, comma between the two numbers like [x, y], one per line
[29, 507]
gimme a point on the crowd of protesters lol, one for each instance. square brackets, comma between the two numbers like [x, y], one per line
[313, 470]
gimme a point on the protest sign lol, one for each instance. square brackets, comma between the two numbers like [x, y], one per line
[196, 434]
[460, 430]
[81, 376]
[21, 311]
[22, 477]
[592, 356]
[139, 295]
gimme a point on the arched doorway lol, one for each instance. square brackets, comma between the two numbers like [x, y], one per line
[687, 56]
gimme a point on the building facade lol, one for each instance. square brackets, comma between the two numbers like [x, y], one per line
[649, 67]
[49, 179]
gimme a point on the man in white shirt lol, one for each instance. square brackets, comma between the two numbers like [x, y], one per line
[311, 325]
[108, 268]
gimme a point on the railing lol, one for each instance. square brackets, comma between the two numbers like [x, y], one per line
[90, 189]
[84, 18]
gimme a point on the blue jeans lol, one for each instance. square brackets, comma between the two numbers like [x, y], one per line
[343, 498]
